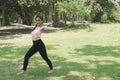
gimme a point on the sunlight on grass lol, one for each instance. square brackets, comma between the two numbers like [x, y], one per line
[56, 78]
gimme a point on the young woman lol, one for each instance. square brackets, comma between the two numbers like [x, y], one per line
[38, 44]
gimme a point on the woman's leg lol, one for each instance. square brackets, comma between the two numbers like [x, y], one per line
[30, 52]
[43, 52]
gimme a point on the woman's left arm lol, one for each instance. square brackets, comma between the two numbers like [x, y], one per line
[51, 28]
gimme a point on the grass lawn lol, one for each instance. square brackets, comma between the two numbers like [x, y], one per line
[76, 54]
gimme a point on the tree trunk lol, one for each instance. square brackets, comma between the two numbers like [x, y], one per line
[50, 12]
[26, 20]
[97, 17]
[64, 18]
[26, 16]
[55, 15]
[72, 20]
[5, 15]
[91, 6]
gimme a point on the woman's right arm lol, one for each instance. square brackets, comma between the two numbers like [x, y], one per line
[25, 26]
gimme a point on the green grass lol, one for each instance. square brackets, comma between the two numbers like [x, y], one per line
[76, 55]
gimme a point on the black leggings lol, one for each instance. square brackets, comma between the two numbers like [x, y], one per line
[37, 46]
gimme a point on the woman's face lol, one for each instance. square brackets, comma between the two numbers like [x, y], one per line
[38, 20]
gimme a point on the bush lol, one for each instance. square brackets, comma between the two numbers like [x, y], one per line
[77, 26]
[104, 18]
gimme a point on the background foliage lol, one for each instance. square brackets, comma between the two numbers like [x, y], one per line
[59, 11]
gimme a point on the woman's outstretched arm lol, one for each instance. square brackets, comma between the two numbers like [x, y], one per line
[50, 28]
[25, 26]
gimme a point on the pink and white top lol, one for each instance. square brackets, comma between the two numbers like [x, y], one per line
[36, 33]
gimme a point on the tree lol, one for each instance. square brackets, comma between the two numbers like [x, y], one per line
[73, 10]
[6, 7]
[26, 9]
[104, 11]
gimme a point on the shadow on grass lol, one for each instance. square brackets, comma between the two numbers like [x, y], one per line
[96, 69]
[99, 50]
[64, 69]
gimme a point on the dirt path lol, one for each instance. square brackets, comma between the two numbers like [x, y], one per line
[12, 32]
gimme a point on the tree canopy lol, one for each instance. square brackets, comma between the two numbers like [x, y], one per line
[59, 10]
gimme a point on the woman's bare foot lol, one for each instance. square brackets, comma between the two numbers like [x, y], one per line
[51, 71]
[21, 72]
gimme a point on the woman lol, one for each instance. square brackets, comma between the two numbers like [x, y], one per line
[38, 45]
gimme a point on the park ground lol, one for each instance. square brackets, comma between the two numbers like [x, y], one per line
[77, 54]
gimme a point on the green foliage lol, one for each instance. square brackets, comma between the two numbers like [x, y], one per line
[73, 9]
[98, 8]
[69, 10]
[33, 3]
[104, 18]
[105, 10]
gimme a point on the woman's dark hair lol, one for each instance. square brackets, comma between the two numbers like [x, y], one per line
[38, 16]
